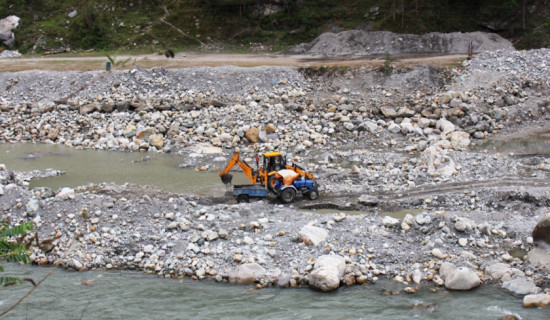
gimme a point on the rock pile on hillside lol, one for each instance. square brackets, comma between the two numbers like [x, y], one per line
[376, 43]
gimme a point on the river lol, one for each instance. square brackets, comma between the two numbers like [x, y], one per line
[134, 295]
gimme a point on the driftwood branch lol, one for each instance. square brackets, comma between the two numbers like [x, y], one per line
[27, 294]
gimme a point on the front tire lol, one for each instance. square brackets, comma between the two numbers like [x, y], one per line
[313, 194]
[288, 195]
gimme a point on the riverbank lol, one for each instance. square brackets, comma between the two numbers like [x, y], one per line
[377, 142]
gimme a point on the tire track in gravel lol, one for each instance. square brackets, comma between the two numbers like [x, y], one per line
[453, 187]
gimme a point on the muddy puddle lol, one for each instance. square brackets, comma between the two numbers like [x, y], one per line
[536, 144]
[83, 167]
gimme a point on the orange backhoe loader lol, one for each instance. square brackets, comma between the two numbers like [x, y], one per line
[268, 177]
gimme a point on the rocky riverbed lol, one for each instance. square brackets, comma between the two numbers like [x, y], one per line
[378, 142]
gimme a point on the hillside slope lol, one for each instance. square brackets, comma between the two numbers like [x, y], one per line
[242, 25]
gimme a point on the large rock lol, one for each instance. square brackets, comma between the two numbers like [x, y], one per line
[368, 200]
[156, 140]
[252, 134]
[540, 255]
[313, 234]
[460, 140]
[327, 273]
[462, 279]
[32, 207]
[497, 270]
[247, 273]
[521, 286]
[541, 233]
[388, 112]
[536, 300]
[66, 194]
[446, 269]
[6, 26]
[445, 126]
[390, 222]
[438, 165]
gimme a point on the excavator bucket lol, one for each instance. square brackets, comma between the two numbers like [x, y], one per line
[226, 178]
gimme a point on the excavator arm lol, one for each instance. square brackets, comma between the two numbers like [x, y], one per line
[248, 171]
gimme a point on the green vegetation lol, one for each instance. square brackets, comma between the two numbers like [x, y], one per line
[13, 247]
[387, 67]
[235, 24]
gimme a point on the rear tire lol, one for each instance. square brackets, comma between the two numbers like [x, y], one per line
[288, 195]
[243, 198]
[313, 194]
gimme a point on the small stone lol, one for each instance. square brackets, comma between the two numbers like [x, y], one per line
[438, 253]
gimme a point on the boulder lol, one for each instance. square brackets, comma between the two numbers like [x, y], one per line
[313, 234]
[521, 286]
[32, 207]
[541, 232]
[156, 141]
[460, 140]
[247, 273]
[388, 112]
[368, 200]
[390, 222]
[497, 270]
[283, 281]
[462, 279]
[66, 194]
[252, 134]
[130, 131]
[536, 300]
[540, 255]
[269, 129]
[394, 127]
[327, 273]
[446, 269]
[144, 133]
[6, 26]
[445, 126]
[438, 165]
[369, 126]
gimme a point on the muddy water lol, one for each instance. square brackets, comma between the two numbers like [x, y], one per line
[133, 295]
[538, 144]
[91, 166]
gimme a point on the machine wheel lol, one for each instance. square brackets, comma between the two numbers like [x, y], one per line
[313, 194]
[288, 195]
[271, 184]
[243, 198]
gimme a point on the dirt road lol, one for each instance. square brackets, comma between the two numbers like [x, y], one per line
[185, 60]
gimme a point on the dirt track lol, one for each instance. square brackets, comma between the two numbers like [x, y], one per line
[184, 60]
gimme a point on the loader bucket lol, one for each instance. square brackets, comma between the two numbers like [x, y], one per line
[226, 178]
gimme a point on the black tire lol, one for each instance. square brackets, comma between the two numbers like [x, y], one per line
[288, 195]
[271, 184]
[313, 194]
[243, 198]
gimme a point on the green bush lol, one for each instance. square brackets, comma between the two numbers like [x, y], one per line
[89, 31]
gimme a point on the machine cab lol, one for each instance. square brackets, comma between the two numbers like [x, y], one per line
[274, 161]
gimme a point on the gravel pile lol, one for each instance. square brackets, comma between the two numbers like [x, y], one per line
[377, 43]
